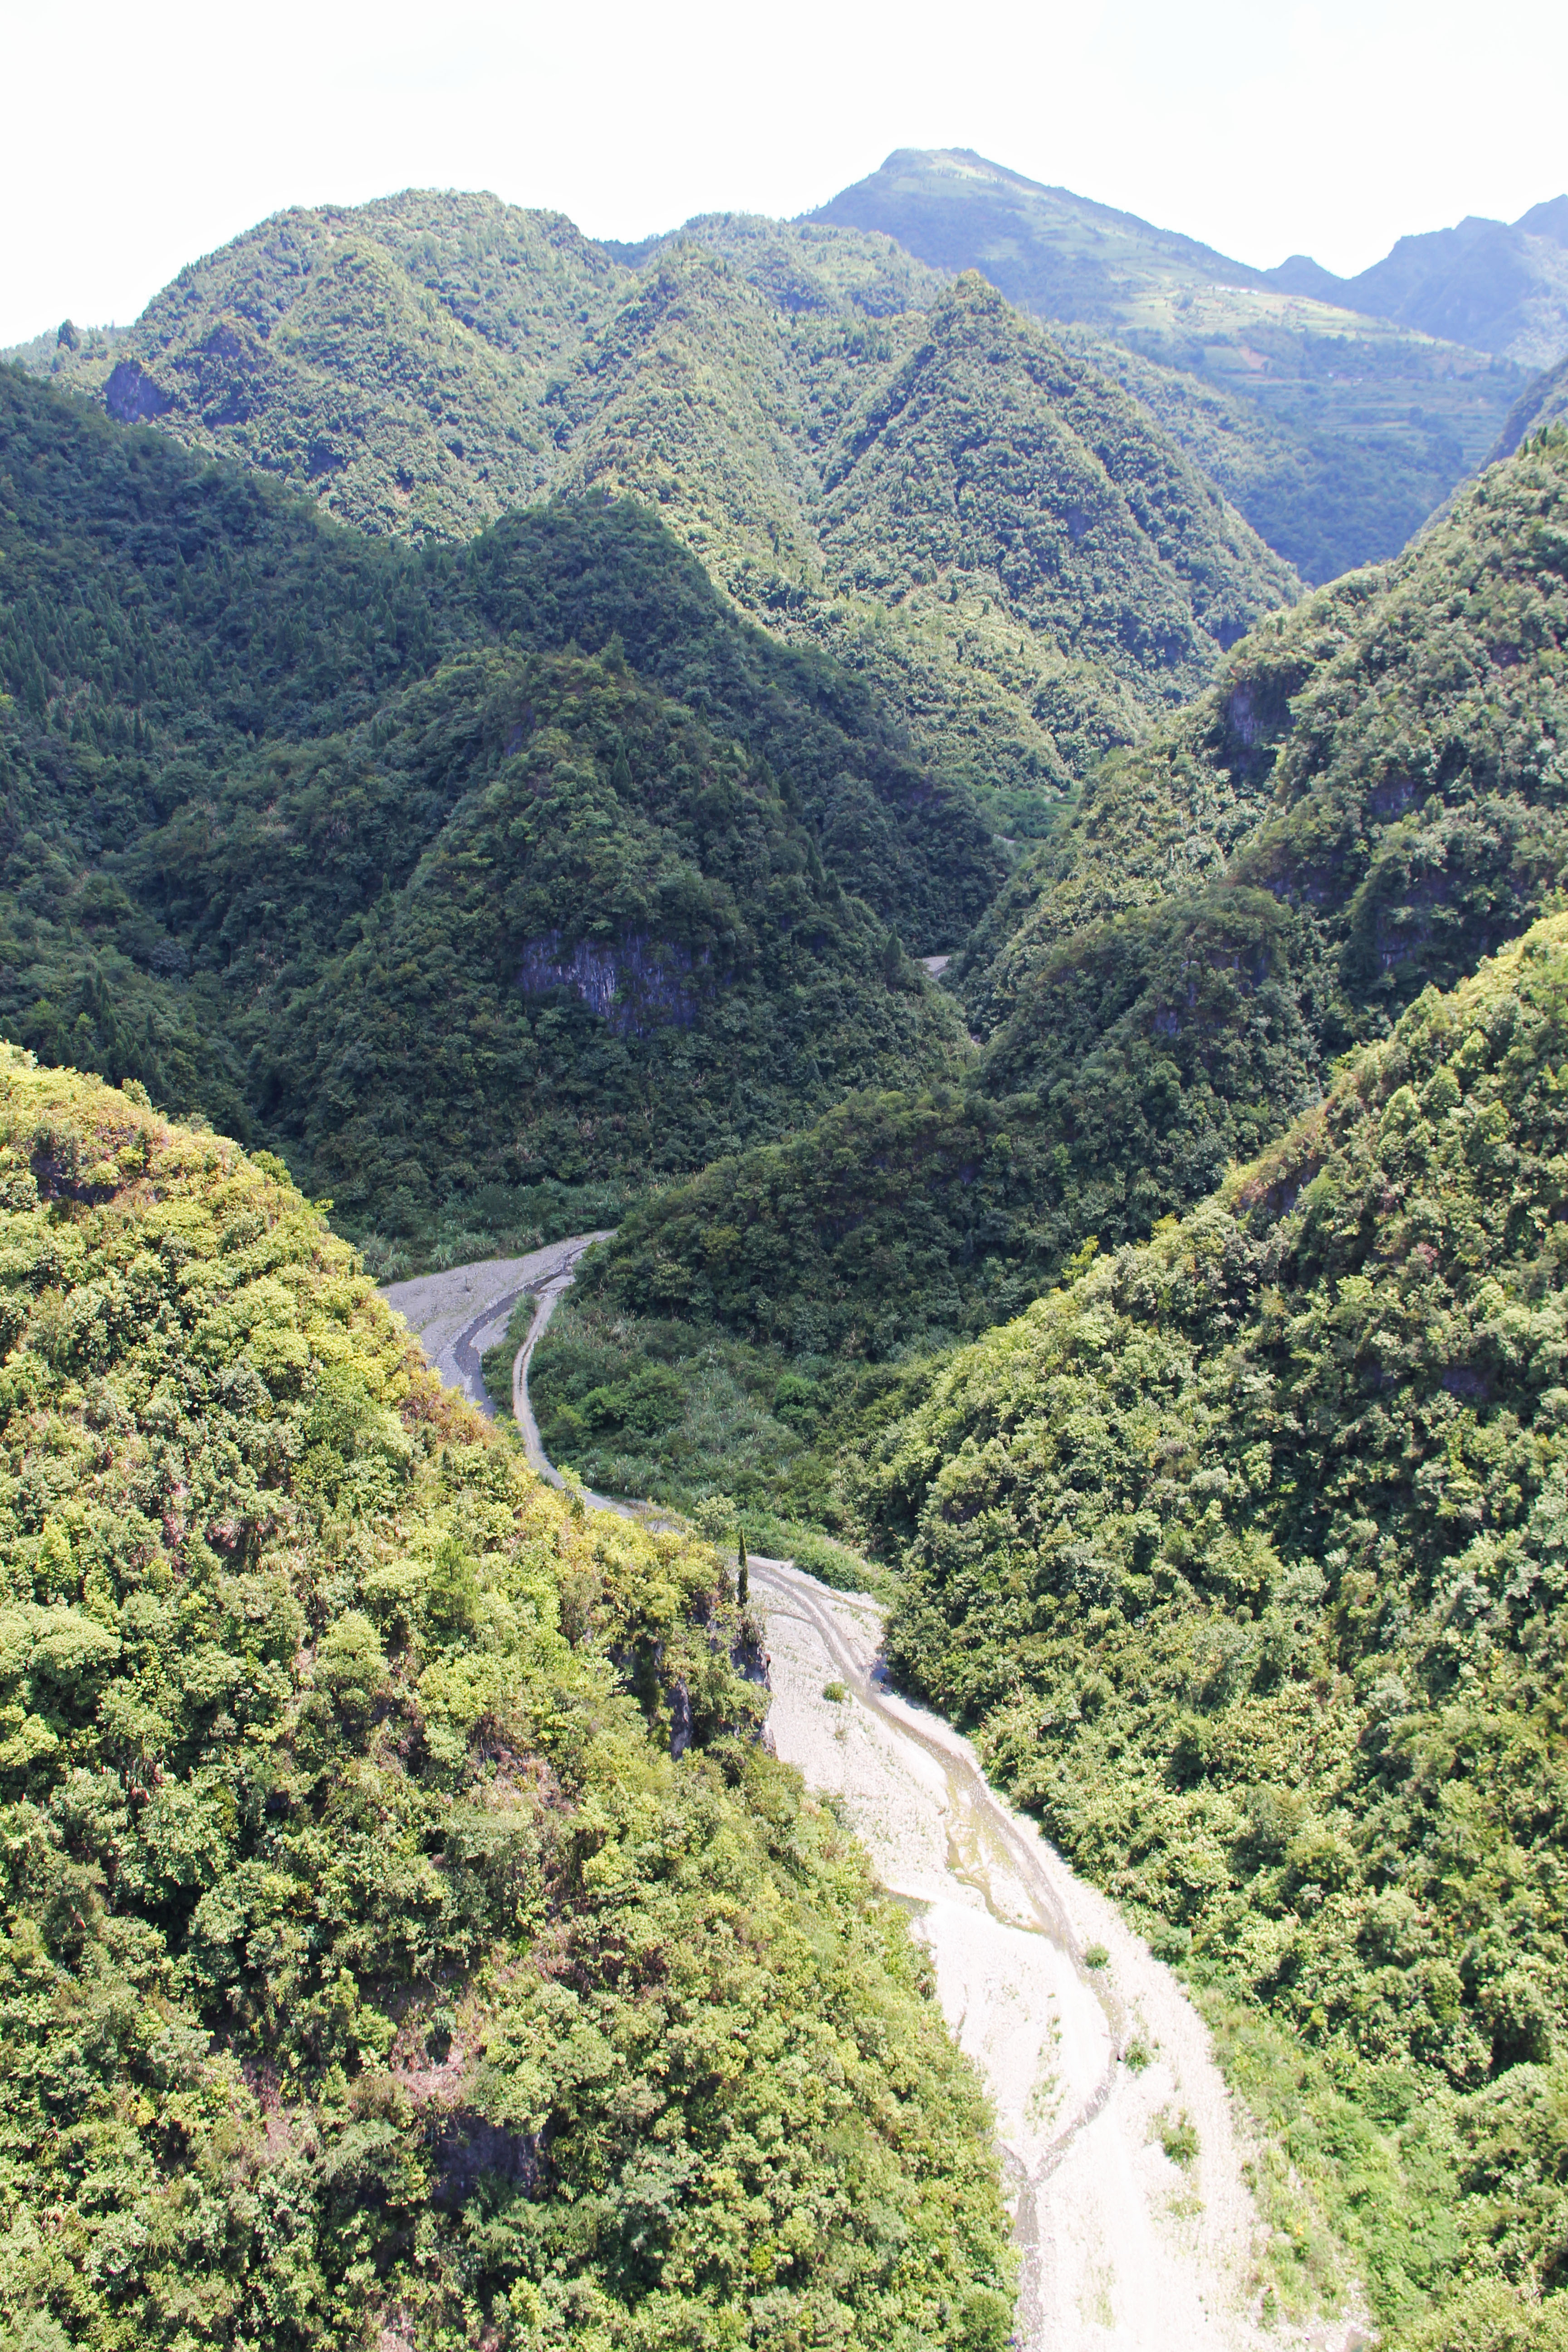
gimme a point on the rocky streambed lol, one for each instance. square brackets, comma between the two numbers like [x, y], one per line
[1125, 2162]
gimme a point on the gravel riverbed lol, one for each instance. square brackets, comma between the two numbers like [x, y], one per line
[1095, 2071]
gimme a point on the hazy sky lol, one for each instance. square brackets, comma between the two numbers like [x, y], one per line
[137, 140]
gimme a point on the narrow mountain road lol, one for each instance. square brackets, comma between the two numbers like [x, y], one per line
[1095, 2059]
[460, 1313]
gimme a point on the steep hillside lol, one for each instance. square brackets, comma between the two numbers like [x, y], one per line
[1371, 800]
[423, 365]
[404, 1929]
[1243, 1556]
[1387, 761]
[398, 358]
[1543, 400]
[991, 532]
[1336, 435]
[1497, 286]
[340, 844]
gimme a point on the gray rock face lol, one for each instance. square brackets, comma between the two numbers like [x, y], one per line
[636, 985]
[132, 396]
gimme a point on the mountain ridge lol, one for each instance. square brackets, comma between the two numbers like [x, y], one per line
[287, 806]
[421, 365]
[1498, 286]
[396, 1869]
[488, 716]
[1367, 803]
[1291, 394]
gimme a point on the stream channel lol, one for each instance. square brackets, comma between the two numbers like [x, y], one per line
[1095, 2060]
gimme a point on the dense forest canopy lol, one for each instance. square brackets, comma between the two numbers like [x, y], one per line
[1370, 800]
[1244, 1554]
[496, 725]
[363, 851]
[423, 365]
[402, 1920]
[1335, 415]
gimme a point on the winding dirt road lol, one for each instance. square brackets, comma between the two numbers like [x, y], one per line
[460, 1313]
[1122, 2246]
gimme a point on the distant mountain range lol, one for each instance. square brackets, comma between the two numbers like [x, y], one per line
[1499, 286]
[428, 361]
[1493, 286]
[1336, 412]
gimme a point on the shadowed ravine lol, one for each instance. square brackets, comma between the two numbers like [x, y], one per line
[1119, 2244]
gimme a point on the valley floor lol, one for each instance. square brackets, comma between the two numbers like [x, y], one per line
[1125, 2161]
[461, 1311]
[1122, 2245]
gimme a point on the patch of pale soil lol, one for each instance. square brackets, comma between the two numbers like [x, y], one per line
[1121, 2247]
[457, 1315]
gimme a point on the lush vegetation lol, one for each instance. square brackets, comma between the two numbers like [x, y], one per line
[405, 1932]
[404, 1929]
[1244, 1557]
[1386, 761]
[1335, 433]
[1371, 797]
[423, 365]
[364, 853]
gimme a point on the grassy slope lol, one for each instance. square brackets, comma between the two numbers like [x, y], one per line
[1371, 799]
[1335, 435]
[334, 841]
[424, 364]
[1244, 1557]
[368, 1961]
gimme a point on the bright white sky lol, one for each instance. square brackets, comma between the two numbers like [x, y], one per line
[137, 139]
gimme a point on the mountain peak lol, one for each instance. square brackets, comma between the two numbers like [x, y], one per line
[1550, 219]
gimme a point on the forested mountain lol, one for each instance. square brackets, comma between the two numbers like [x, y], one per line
[1243, 1554]
[497, 719]
[1240, 1554]
[423, 365]
[392, 1873]
[1387, 763]
[1497, 286]
[1335, 433]
[1373, 798]
[1543, 400]
[372, 854]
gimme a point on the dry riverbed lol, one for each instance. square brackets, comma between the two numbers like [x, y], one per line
[460, 1313]
[1123, 2244]
[1125, 2162]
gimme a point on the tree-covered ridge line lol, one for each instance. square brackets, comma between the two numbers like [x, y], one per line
[1398, 733]
[342, 843]
[403, 1926]
[1337, 435]
[1369, 799]
[422, 365]
[1243, 1556]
